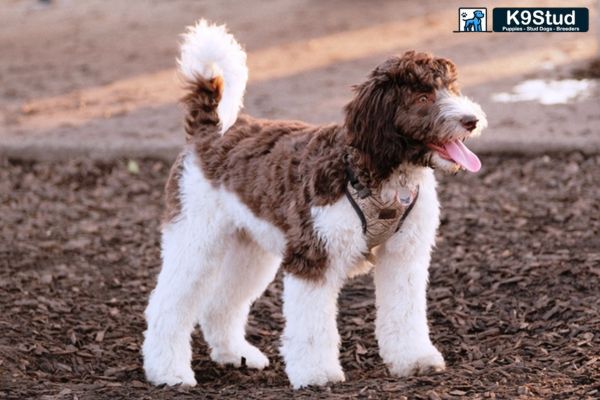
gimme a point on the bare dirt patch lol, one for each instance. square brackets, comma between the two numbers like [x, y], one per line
[97, 78]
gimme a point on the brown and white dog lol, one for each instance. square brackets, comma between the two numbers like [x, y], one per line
[247, 196]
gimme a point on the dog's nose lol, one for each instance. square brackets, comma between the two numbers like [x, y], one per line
[469, 122]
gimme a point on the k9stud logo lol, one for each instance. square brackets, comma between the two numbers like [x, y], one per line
[472, 19]
[541, 19]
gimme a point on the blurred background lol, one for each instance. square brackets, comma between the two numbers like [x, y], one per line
[97, 77]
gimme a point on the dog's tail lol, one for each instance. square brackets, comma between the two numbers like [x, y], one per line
[213, 66]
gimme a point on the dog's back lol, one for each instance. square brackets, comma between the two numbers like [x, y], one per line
[278, 169]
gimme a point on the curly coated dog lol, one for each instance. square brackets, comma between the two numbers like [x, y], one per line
[247, 196]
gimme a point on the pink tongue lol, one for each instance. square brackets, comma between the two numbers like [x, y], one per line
[461, 155]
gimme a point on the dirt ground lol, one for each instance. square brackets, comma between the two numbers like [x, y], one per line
[514, 303]
[96, 78]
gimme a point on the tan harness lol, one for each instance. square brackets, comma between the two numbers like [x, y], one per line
[379, 219]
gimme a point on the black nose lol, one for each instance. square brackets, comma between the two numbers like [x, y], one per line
[469, 122]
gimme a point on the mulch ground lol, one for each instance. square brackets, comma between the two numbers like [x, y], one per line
[513, 301]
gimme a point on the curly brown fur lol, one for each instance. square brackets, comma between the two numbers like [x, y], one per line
[380, 121]
[280, 169]
[172, 192]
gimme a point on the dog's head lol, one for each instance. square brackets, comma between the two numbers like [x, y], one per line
[410, 110]
[478, 14]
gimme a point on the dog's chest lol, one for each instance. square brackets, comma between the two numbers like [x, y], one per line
[381, 214]
[340, 227]
[381, 208]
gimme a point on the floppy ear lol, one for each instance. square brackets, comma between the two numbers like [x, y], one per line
[370, 123]
[446, 70]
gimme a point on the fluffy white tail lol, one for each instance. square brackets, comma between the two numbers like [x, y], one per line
[209, 51]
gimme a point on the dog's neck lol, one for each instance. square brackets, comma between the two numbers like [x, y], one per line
[405, 174]
[377, 160]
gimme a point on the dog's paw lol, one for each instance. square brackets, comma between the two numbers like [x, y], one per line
[172, 378]
[315, 375]
[423, 363]
[248, 356]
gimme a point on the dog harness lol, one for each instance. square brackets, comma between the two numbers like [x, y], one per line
[379, 219]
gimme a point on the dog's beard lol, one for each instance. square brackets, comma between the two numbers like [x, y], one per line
[438, 162]
[448, 152]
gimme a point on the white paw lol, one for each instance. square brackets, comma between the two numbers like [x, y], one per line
[422, 363]
[253, 357]
[185, 377]
[314, 375]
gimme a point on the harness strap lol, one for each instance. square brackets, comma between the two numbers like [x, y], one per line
[361, 215]
[362, 190]
[408, 210]
[379, 219]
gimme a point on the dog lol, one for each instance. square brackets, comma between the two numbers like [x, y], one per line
[474, 24]
[249, 196]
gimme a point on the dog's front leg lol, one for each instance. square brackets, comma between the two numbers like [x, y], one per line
[401, 281]
[310, 342]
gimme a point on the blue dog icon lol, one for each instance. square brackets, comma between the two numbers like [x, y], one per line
[474, 24]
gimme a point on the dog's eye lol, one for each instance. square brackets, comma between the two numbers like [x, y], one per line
[423, 99]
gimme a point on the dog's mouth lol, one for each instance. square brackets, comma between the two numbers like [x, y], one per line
[456, 152]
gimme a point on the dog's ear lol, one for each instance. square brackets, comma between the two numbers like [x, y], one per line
[370, 122]
[446, 68]
[447, 73]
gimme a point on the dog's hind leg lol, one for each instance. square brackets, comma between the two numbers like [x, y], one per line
[187, 261]
[192, 245]
[243, 276]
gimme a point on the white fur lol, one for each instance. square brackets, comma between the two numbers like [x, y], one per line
[211, 275]
[310, 342]
[452, 109]
[448, 126]
[209, 51]
[245, 272]
[401, 277]
[442, 164]
[401, 272]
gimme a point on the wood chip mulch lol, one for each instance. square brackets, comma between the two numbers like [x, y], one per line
[514, 299]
